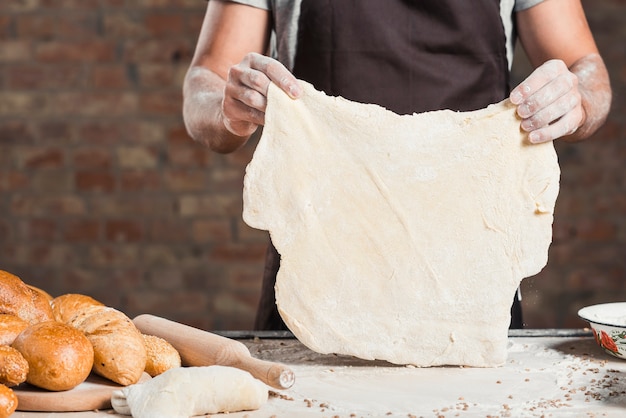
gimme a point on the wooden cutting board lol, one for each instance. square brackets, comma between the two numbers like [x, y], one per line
[93, 393]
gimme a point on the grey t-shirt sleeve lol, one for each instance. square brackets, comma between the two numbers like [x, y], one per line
[525, 4]
[261, 4]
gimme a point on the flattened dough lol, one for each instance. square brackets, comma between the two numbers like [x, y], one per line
[402, 238]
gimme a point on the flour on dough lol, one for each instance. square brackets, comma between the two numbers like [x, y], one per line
[184, 392]
[402, 238]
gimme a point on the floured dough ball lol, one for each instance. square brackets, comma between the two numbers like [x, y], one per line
[8, 402]
[162, 356]
[13, 366]
[59, 357]
[10, 328]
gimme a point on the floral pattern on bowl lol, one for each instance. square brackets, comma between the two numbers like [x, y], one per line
[608, 322]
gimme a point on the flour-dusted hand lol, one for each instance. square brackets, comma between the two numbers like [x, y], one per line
[245, 93]
[549, 102]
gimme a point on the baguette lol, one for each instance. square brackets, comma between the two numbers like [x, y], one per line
[16, 298]
[119, 350]
[59, 357]
[10, 328]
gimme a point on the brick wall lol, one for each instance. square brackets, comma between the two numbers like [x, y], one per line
[103, 193]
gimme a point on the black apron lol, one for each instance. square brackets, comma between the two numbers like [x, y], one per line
[409, 56]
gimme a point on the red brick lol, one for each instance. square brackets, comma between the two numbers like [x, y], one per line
[124, 230]
[113, 255]
[158, 50]
[141, 180]
[35, 26]
[595, 230]
[110, 77]
[211, 230]
[101, 133]
[137, 157]
[163, 25]
[91, 104]
[94, 181]
[81, 230]
[40, 158]
[161, 103]
[38, 229]
[92, 158]
[13, 181]
[185, 180]
[156, 75]
[16, 50]
[38, 206]
[168, 230]
[124, 25]
[253, 252]
[78, 25]
[16, 132]
[189, 155]
[76, 51]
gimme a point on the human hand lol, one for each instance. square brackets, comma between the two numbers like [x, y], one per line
[245, 93]
[549, 102]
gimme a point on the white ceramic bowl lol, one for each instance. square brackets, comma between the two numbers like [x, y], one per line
[608, 322]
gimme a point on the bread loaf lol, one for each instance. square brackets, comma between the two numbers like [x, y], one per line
[41, 291]
[66, 307]
[119, 350]
[8, 402]
[162, 356]
[59, 357]
[10, 328]
[16, 298]
[13, 366]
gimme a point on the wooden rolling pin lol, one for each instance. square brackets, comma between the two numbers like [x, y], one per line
[202, 348]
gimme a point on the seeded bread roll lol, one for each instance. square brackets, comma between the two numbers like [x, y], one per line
[162, 356]
[119, 350]
[13, 366]
[16, 298]
[59, 356]
[8, 402]
[10, 328]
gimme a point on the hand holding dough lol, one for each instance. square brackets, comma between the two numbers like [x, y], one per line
[402, 238]
[184, 392]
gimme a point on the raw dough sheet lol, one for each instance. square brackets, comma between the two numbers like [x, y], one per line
[402, 238]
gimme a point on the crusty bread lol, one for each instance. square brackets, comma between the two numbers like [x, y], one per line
[162, 356]
[41, 291]
[13, 366]
[8, 402]
[119, 350]
[16, 298]
[66, 307]
[59, 356]
[10, 328]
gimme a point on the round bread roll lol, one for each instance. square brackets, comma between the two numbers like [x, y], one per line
[10, 328]
[8, 402]
[16, 298]
[59, 357]
[13, 366]
[162, 356]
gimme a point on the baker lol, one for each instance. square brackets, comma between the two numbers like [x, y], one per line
[408, 56]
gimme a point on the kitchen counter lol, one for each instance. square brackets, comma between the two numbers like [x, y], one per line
[551, 373]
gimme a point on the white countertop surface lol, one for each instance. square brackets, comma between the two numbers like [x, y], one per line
[557, 376]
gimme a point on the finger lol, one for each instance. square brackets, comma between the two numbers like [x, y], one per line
[245, 86]
[549, 93]
[537, 79]
[567, 125]
[552, 112]
[277, 73]
[240, 119]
